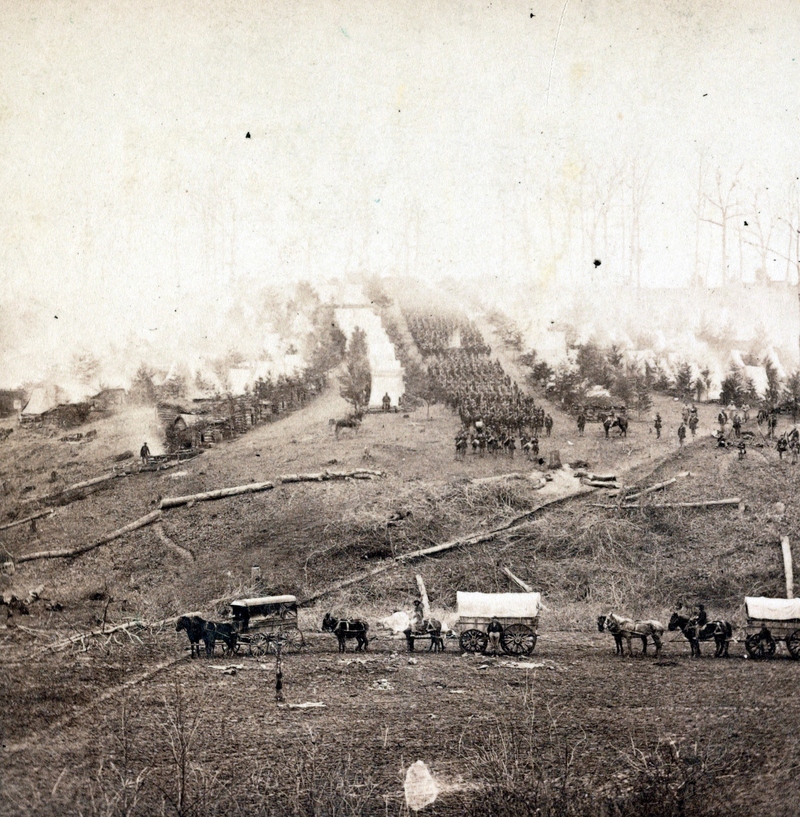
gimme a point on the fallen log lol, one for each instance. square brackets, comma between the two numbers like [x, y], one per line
[657, 487]
[63, 554]
[78, 490]
[592, 483]
[221, 493]
[526, 587]
[708, 503]
[602, 477]
[48, 512]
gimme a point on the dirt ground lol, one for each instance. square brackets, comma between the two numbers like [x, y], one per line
[383, 710]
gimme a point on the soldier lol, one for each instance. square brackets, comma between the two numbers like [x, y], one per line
[144, 453]
[548, 424]
[581, 422]
[386, 401]
[657, 425]
[494, 631]
[681, 434]
[783, 445]
[693, 424]
[742, 450]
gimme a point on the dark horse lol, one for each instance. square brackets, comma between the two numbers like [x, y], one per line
[352, 421]
[616, 422]
[720, 631]
[344, 628]
[198, 630]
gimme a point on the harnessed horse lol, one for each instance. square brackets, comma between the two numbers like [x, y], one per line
[720, 631]
[621, 627]
[431, 628]
[198, 629]
[344, 628]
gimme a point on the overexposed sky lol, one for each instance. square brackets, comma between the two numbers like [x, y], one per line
[502, 143]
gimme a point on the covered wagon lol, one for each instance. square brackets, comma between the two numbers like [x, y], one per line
[517, 614]
[769, 621]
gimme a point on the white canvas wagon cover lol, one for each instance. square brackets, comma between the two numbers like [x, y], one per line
[498, 605]
[775, 609]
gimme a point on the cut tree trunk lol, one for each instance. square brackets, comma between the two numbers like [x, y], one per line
[426, 605]
[39, 515]
[63, 554]
[221, 493]
[526, 587]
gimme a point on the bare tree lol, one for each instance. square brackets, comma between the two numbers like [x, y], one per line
[637, 185]
[761, 227]
[727, 207]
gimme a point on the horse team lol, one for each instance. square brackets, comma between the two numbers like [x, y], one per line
[695, 628]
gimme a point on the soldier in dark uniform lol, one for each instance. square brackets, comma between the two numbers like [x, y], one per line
[581, 422]
[494, 631]
[144, 453]
[657, 425]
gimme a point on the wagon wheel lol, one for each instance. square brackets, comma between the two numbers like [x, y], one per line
[793, 644]
[259, 644]
[760, 646]
[518, 639]
[473, 641]
[293, 640]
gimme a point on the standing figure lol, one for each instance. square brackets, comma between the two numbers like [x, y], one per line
[494, 631]
[581, 422]
[144, 453]
[548, 424]
[681, 434]
[657, 425]
[693, 424]
[722, 418]
[783, 445]
[772, 424]
[386, 401]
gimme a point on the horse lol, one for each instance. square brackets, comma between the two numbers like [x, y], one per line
[431, 628]
[227, 633]
[198, 630]
[353, 421]
[601, 626]
[720, 630]
[347, 628]
[628, 628]
[616, 422]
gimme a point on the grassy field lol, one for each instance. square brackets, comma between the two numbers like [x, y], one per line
[128, 725]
